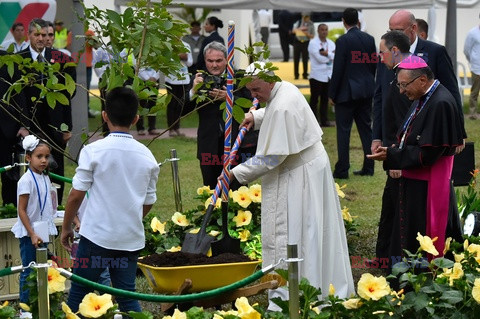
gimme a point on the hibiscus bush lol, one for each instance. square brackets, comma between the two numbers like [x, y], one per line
[243, 215]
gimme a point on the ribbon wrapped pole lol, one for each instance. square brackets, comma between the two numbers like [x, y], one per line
[229, 108]
[232, 155]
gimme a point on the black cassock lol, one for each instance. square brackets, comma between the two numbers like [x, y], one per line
[430, 142]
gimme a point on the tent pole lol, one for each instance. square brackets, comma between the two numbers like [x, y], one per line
[451, 32]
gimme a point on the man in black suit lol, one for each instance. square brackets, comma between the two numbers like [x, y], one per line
[211, 126]
[351, 90]
[394, 48]
[51, 124]
[434, 54]
[14, 118]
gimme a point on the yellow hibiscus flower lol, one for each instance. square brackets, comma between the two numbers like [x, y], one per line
[476, 290]
[175, 249]
[5, 303]
[371, 287]
[474, 249]
[346, 215]
[454, 273]
[180, 219]
[56, 282]
[244, 235]
[242, 197]
[209, 201]
[177, 314]
[447, 245]
[24, 306]
[465, 244]
[331, 290]
[426, 244]
[194, 230]
[459, 257]
[353, 303]
[157, 226]
[214, 233]
[69, 314]
[243, 218]
[204, 189]
[245, 310]
[255, 192]
[94, 306]
[339, 190]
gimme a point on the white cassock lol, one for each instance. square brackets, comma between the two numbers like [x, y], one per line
[300, 204]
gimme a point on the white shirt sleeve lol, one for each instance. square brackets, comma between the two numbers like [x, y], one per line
[256, 167]
[258, 118]
[83, 178]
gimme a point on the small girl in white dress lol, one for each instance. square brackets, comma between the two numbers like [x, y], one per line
[34, 204]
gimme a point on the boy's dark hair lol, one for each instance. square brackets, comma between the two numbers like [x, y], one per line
[398, 39]
[121, 106]
[350, 16]
[195, 24]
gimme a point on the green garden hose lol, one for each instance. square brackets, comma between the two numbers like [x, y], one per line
[10, 270]
[166, 298]
[60, 178]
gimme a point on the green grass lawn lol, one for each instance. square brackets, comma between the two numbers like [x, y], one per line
[363, 194]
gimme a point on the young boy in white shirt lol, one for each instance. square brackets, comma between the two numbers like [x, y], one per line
[121, 176]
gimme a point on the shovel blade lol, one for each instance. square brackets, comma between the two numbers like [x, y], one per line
[226, 245]
[197, 244]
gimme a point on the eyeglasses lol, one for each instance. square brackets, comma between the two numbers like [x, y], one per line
[384, 51]
[401, 30]
[403, 86]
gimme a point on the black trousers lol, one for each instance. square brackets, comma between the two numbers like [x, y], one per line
[284, 44]
[177, 103]
[319, 90]
[9, 180]
[300, 49]
[390, 202]
[345, 114]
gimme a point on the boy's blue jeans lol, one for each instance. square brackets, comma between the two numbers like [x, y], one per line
[92, 261]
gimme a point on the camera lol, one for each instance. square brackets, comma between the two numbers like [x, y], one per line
[211, 82]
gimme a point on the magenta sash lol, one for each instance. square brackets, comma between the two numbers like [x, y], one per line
[438, 198]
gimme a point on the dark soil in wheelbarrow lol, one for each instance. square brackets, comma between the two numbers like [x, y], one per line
[168, 259]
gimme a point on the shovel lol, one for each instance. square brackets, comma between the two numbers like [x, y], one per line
[199, 243]
[227, 244]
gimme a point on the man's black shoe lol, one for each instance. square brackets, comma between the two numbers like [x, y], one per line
[363, 173]
[340, 176]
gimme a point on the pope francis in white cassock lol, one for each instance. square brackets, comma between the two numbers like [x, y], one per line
[300, 204]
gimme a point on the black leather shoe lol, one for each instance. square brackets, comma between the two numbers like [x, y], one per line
[363, 173]
[340, 176]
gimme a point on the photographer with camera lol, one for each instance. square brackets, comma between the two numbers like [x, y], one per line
[211, 126]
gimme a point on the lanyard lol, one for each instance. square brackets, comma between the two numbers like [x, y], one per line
[414, 112]
[38, 192]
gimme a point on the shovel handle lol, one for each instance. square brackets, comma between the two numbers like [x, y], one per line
[206, 219]
[225, 218]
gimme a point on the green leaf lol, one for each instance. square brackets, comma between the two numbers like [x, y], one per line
[64, 127]
[11, 69]
[128, 17]
[238, 114]
[400, 268]
[114, 18]
[140, 315]
[69, 84]
[452, 296]
[443, 262]
[244, 103]
[51, 101]
[61, 98]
